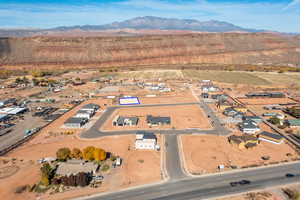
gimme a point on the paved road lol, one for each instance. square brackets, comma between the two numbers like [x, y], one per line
[173, 164]
[94, 131]
[209, 186]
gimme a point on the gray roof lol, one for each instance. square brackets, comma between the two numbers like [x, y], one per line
[271, 135]
[75, 167]
[147, 135]
[121, 120]
[91, 106]
[74, 120]
[156, 120]
[248, 124]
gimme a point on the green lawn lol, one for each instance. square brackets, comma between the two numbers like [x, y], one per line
[226, 77]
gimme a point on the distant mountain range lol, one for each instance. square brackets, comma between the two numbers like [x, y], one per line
[136, 25]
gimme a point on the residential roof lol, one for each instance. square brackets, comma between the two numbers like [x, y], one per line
[294, 122]
[3, 116]
[75, 167]
[90, 106]
[121, 120]
[248, 124]
[156, 120]
[74, 120]
[12, 110]
[271, 135]
[146, 135]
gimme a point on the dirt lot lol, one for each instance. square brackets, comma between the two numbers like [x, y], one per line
[148, 163]
[172, 98]
[203, 154]
[182, 117]
[265, 101]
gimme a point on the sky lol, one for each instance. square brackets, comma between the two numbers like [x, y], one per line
[276, 15]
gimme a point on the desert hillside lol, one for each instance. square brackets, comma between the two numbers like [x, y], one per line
[220, 48]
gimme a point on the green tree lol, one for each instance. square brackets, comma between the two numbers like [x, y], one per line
[99, 154]
[63, 154]
[88, 153]
[274, 120]
[45, 180]
[76, 153]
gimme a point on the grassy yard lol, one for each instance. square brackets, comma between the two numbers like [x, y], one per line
[226, 77]
[280, 78]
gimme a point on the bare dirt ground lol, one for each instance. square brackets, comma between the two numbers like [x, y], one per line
[148, 163]
[182, 117]
[265, 101]
[171, 98]
[203, 154]
[263, 195]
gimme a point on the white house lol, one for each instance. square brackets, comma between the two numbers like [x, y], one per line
[84, 114]
[249, 127]
[145, 140]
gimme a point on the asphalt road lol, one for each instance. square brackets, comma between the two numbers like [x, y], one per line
[173, 164]
[212, 186]
[94, 131]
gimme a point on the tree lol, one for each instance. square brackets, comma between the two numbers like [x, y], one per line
[47, 174]
[99, 154]
[45, 180]
[37, 74]
[88, 153]
[63, 154]
[274, 120]
[76, 153]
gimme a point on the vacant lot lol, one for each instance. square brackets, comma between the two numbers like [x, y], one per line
[203, 154]
[265, 101]
[279, 78]
[170, 98]
[152, 74]
[182, 117]
[226, 77]
[147, 163]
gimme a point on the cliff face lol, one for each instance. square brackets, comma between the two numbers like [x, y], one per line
[220, 48]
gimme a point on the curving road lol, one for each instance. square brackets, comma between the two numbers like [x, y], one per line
[94, 131]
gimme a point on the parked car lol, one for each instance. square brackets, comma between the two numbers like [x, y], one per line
[98, 178]
[289, 175]
[245, 182]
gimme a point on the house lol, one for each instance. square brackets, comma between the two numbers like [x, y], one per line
[244, 141]
[5, 102]
[90, 107]
[3, 117]
[84, 114]
[209, 88]
[270, 137]
[125, 121]
[223, 105]
[249, 127]
[293, 123]
[269, 114]
[75, 122]
[13, 110]
[155, 121]
[230, 112]
[219, 97]
[266, 95]
[145, 140]
[75, 167]
[256, 119]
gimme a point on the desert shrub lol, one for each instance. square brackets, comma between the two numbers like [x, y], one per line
[105, 168]
[274, 120]
[292, 194]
